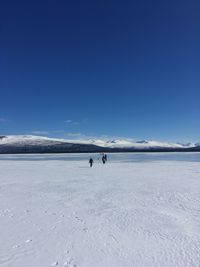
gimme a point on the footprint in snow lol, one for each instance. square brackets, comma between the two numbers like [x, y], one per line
[80, 220]
[85, 229]
[70, 261]
[26, 211]
[54, 263]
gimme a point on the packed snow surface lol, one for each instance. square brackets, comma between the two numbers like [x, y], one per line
[137, 210]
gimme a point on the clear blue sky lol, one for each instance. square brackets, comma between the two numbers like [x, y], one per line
[101, 67]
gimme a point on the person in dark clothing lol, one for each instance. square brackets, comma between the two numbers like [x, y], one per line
[103, 159]
[91, 161]
[105, 156]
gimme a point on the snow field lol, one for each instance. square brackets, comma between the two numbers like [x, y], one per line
[122, 214]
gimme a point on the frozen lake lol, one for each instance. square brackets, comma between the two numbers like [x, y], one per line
[137, 210]
[113, 157]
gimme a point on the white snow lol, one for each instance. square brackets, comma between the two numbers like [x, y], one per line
[57, 211]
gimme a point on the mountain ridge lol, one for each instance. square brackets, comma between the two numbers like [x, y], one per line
[41, 144]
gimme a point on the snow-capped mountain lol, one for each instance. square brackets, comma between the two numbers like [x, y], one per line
[27, 139]
[39, 144]
[129, 143]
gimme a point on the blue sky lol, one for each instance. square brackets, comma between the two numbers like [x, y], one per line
[93, 68]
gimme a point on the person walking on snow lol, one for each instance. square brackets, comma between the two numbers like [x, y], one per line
[91, 161]
[103, 159]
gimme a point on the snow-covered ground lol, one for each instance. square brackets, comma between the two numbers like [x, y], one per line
[56, 211]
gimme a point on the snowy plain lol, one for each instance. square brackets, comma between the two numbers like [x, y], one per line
[138, 210]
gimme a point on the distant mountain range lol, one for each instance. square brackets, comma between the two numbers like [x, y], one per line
[38, 144]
